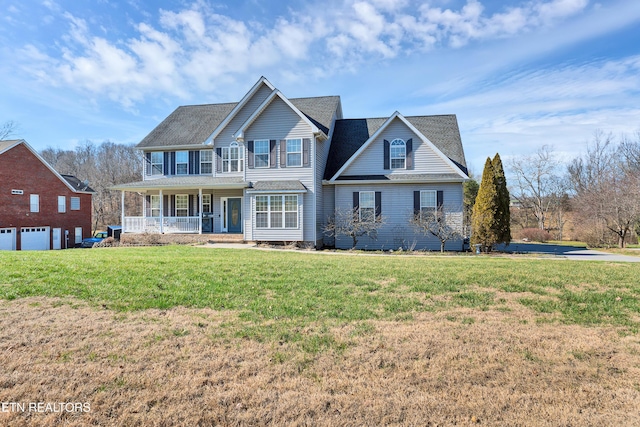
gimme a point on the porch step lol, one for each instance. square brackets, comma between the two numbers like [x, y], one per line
[225, 238]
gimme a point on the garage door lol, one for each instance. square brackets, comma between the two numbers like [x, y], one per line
[7, 239]
[34, 239]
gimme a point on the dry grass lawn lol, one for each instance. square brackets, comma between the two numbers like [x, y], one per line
[459, 366]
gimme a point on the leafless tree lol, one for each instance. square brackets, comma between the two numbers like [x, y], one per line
[102, 166]
[606, 185]
[347, 222]
[8, 129]
[539, 188]
[445, 223]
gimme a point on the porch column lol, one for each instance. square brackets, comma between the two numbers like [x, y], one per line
[161, 213]
[122, 211]
[199, 210]
[144, 212]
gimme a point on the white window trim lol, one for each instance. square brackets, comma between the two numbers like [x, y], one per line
[34, 203]
[204, 162]
[294, 152]
[152, 208]
[154, 164]
[227, 161]
[268, 153]
[423, 201]
[182, 163]
[186, 208]
[62, 204]
[361, 205]
[78, 235]
[283, 211]
[75, 203]
[402, 157]
[210, 203]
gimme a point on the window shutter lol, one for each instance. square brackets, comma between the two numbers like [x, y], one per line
[283, 153]
[173, 163]
[196, 163]
[167, 158]
[306, 143]
[250, 154]
[439, 210]
[409, 157]
[356, 201]
[218, 159]
[165, 205]
[147, 206]
[191, 164]
[148, 163]
[387, 156]
[272, 156]
[190, 211]
[378, 206]
[416, 202]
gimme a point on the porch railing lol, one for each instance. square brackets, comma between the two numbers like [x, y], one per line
[170, 224]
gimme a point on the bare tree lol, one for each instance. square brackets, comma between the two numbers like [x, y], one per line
[606, 185]
[8, 129]
[102, 166]
[445, 223]
[539, 189]
[347, 222]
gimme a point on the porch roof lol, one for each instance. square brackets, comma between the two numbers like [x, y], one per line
[184, 183]
[291, 186]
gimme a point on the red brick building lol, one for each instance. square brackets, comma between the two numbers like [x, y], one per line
[40, 209]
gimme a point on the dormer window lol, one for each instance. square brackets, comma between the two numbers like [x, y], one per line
[232, 158]
[182, 162]
[398, 154]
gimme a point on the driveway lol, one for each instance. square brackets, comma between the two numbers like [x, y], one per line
[570, 252]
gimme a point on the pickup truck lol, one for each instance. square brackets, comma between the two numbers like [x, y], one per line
[98, 237]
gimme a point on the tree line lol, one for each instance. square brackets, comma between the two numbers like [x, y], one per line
[594, 197]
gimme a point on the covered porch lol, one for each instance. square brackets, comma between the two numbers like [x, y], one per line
[185, 205]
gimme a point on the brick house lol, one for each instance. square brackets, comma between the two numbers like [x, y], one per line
[40, 209]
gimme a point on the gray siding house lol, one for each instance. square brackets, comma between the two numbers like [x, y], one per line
[270, 168]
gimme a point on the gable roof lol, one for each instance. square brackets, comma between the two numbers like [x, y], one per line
[73, 183]
[350, 135]
[191, 125]
[239, 135]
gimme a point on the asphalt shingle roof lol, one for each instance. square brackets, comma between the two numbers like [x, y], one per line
[193, 124]
[350, 134]
[77, 184]
[284, 185]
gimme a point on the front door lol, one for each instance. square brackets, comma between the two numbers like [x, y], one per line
[57, 238]
[234, 215]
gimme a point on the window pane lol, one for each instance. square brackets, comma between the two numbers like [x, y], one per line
[291, 220]
[294, 152]
[262, 220]
[428, 199]
[291, 203]
[205, 168]
[182, 156]
[206, 155]
[262, 203]
[181, 169]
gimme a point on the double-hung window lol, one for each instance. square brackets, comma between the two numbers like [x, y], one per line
[398, 154]
[182, 162]
[367, 206]
[182, 205]
[206, 203]
[428, 205]
[34, 203]
[157, 163]
[294, 152]
[155, 205]
[261, 153]
[206, 162]
[62, 204]
[277, 211]
[232, 158]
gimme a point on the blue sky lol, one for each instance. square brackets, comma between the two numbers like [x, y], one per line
[518, 73]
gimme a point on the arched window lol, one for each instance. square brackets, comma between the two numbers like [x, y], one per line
[232, 157]
[398, 154]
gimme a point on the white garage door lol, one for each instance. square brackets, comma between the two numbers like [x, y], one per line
[7, 239]
[35, 239]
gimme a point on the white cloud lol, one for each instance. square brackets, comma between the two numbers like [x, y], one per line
[196, 48]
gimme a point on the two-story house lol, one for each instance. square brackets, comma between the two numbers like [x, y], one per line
[270, 168]
[40, 209]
